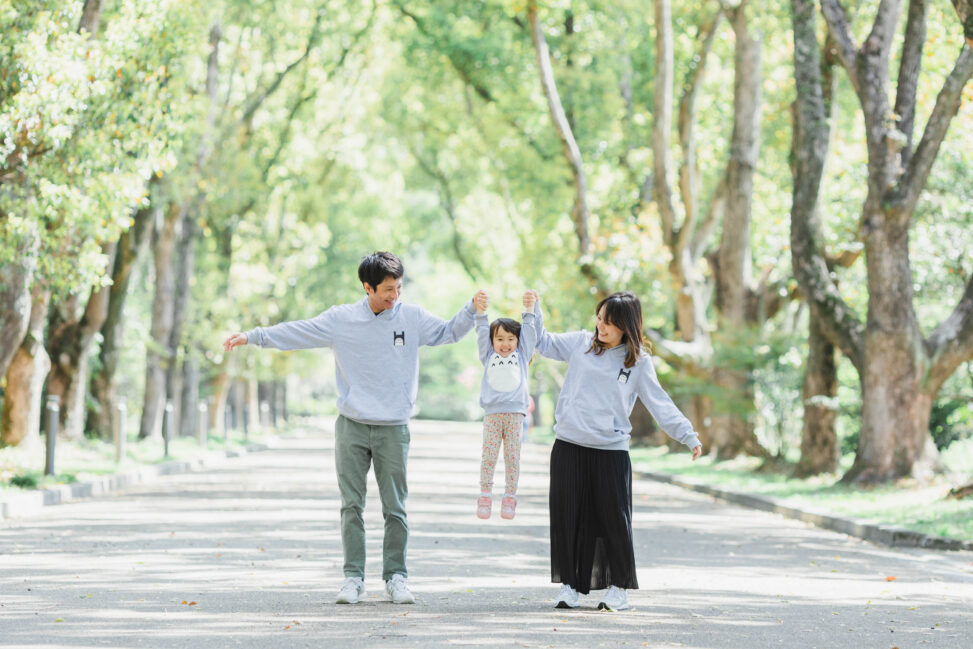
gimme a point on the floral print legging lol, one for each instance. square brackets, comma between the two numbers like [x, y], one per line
[508, 427]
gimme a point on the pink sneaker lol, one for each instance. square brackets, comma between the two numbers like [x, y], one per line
[483, 506]
[507, 507]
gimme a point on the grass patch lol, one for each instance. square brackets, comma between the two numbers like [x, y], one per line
[22, 467]
[906, 503]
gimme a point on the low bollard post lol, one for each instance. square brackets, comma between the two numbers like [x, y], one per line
[52, 409]
[118, 432]
[201, 424]
[167, 427]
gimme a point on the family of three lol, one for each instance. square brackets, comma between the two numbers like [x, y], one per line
[376, 345]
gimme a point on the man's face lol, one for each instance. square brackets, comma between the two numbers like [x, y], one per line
[384, 295]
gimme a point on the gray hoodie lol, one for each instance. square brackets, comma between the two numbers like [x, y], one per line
[599, 393]
[376, 355]
[504, 384]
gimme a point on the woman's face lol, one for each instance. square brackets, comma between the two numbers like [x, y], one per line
[608, 334]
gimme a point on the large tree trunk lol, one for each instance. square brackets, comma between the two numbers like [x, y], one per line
[819, 441]
[71, 340]
[900, 371]
[159, 353]
[131, 246]
[895, 413]
[20, 421]
[733, 432]
[15, 297]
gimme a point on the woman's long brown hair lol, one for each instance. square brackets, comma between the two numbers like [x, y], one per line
[622, 310]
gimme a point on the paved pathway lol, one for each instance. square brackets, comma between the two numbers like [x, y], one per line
[248, 555]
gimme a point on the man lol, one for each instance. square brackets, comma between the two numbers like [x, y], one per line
[376, 344]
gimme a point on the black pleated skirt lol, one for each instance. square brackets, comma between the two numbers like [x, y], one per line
[591, 518]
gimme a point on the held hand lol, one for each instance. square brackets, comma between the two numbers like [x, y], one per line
[480, 301]
[235, 340]
[529, 299]
[697, 452]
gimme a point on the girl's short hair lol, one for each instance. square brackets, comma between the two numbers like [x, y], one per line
[509, 325]
[622, 310]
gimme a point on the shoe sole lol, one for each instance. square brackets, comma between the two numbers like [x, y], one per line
[605, 607]
[563, 604]
[410, 601]
[347, 601]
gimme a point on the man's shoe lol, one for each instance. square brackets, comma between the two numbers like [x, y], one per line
[615, 599]
[398, 590]
[351, 591]
[567, 598]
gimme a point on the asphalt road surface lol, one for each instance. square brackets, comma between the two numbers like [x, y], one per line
[248, 554]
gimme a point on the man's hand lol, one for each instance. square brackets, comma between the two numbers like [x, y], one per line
[235, 340]
[480, 301]
[530, 299]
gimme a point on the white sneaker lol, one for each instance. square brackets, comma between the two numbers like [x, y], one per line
[615, 599]
[351, 591]
[567, 598]
[398, 590]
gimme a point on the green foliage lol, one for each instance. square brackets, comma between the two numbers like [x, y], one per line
[83, 124]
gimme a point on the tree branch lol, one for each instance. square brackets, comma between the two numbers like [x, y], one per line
[951, 343]
[911, 65]
[579, 213]
[448, 205]
[947, 105]
[662, 124]
[834, 14]
[840, 324]
[689, 170]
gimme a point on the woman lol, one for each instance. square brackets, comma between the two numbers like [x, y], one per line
[591, 472]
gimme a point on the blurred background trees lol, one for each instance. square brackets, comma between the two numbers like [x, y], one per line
[171, 172]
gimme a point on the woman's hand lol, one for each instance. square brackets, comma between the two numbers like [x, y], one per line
[697, 452]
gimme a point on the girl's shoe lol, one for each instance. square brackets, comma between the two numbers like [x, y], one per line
[483, 506]
[507, 507]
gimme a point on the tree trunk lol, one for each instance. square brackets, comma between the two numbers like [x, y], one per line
[217, 412]
[733, 432]
[580, 213]
[20, 421]
[15, 297]
[900, 371]
[90, 17]
[158, 352]
[189, 414]
[895, 413]
[131, 246]
[819, 442]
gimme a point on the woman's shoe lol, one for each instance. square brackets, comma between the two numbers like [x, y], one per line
[483, 506]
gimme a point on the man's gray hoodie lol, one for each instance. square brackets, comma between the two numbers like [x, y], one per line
[376, 355]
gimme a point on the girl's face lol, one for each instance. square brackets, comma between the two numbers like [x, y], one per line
[608, 334]
[504, 342]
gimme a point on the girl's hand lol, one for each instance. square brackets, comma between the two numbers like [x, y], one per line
[235, 340]
[530, 299]
[480, 301]
[697, 452]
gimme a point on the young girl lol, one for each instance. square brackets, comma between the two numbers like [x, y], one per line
[591, 473]
[505, 351]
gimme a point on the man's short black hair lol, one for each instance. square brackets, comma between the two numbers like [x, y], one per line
[376, 267]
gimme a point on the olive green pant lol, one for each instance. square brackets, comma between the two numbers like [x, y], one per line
[356, 447]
